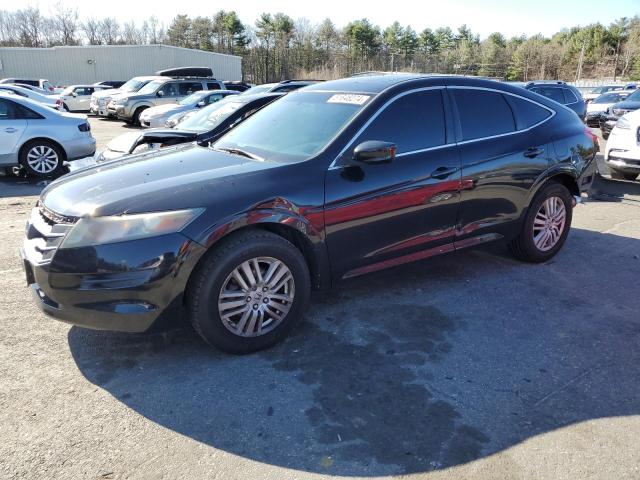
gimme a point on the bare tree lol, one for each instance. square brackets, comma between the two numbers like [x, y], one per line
[91, 29]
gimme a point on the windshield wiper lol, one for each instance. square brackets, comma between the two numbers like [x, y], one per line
[238, 151]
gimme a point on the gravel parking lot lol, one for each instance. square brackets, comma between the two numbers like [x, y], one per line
[470, 365]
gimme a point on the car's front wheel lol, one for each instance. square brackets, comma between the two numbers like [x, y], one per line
[247, 294]
[546, 225]
[42, 158]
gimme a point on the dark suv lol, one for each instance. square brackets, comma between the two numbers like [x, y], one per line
[561, 92]
[330, 182]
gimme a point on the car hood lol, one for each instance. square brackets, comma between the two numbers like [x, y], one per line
[186, 176]
[627, 105]
[127, 141]
[107, 93]
[164, 109]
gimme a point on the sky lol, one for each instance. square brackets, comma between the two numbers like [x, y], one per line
[511, 17]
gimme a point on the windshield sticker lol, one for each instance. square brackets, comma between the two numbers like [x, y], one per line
[349, 98]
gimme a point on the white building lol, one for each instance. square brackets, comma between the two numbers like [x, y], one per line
[89, 64]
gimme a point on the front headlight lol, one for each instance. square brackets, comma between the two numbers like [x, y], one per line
[122, 101]
[623, 124]
[100, 230]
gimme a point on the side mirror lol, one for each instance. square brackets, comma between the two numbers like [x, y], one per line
[374, 151]
[201, 104]
[160, 93]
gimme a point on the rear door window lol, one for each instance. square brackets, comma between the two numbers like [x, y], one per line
[187, 88]
[483, 113]
[569, 96]
[413, 122]
[554, 93]
[526, 113]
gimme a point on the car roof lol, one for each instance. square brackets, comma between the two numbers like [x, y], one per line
[374, 84]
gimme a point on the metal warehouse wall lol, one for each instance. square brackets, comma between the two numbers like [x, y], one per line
[74, 65]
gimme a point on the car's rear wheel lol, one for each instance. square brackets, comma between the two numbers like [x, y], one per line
[546, 225]
[247, 294]
[42, 158]
[620, 175]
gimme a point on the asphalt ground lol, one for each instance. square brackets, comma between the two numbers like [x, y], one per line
[469, 365]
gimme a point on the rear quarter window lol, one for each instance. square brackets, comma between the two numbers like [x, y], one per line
[526, 113]
[483, 113]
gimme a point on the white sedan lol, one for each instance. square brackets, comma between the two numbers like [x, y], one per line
[622, 153]
[158, 116]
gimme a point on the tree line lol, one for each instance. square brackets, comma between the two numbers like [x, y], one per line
[278, 47]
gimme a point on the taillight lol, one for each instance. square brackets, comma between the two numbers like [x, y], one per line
[84, 127]
[592, 136]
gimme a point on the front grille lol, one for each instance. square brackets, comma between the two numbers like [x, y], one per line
[45, 232]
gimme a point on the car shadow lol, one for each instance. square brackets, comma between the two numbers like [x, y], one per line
[418, 368]
[21, 185]
[610, 190]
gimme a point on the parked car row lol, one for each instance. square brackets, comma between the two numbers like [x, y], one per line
[275, 194]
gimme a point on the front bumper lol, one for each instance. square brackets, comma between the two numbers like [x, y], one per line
[128, 286]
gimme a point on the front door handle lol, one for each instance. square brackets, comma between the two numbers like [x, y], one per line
[10, 130]
[441, 173]
[533, 152]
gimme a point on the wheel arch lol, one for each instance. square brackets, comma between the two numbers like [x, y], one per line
[46, 139]
[296, 229]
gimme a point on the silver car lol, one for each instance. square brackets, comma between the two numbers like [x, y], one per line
[100, 100]
[39, 138]
[158, 116]
[48, 100]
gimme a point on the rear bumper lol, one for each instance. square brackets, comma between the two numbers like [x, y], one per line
[132, 286]
[81, 147]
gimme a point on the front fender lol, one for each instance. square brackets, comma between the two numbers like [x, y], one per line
[280, 216]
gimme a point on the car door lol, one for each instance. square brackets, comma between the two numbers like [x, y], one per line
[504, 148]
[84, 97]
[12, 128]
[378, 215]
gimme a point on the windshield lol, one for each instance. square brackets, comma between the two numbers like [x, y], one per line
[296, 127]
[210, 117]
[635, 96]
[151, 87]
[194, 98]
[609, 98]
[259, 89]
[133, 85]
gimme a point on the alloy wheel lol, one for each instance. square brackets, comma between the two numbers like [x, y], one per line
[549, 224]
[256, 296]
[42, 159]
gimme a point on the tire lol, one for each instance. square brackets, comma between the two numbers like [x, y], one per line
[524, 246]
[135, 120]
[42, 159]
[239, 332]
[620, 175]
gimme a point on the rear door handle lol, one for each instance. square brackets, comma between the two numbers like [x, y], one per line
[10, 130]
[533, 152]
[441, 173]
